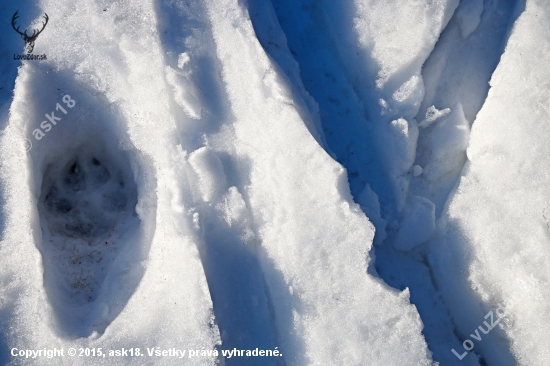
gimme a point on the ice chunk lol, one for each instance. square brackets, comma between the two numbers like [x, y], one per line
[236, 215]
[432, 114]
[417, 170]
[399, 143]
[409, 96]
[209, 169]
[402, 138]
[183, 59]
[186, 97]
[447, 144]
[371, 206]
[418, 224]
[399, 33]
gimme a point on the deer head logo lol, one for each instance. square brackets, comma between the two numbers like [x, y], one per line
[29, 39]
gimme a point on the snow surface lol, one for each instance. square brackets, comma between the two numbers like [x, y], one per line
[502, 242]
[348, 182]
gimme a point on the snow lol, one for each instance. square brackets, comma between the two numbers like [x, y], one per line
[469, 16]
[368, 200]
[418, 225]
[501, 242]
[345, 182]
[135, 304]
[417, 170]
[306, 222]
[383, 45]
[432, 114]
[211, 182]
[447, 143]
[352, 85]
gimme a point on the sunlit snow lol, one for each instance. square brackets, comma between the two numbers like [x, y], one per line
[275, 182]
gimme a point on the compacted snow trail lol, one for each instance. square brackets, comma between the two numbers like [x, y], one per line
[456, 71]
[351, 136]
[456, 80]
[218, 175]
[228, 242]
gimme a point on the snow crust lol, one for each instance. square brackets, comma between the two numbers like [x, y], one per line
[337, 180]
